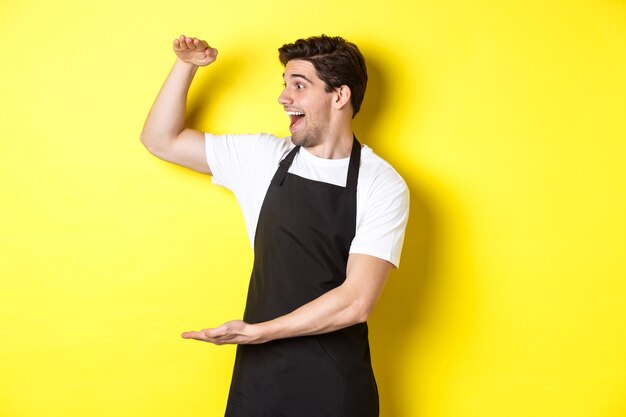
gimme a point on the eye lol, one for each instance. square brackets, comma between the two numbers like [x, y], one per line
[299, 86]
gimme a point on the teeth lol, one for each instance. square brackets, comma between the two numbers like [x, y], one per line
[295, 113]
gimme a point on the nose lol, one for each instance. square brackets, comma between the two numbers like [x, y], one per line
[284, 98]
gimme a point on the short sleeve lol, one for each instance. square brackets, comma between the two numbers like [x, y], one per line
[228, 157]
[380, 232]
[244, 164]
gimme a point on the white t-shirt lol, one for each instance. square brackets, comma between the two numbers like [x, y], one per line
[245, 164]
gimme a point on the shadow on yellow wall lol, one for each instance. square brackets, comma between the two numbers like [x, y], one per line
[402, 309]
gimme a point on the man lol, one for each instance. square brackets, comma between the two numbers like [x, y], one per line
[326, 218]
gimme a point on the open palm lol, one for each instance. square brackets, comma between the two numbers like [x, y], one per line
[194, 51]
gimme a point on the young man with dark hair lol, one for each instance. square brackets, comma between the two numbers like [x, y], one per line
[336, 61]
[326, 218]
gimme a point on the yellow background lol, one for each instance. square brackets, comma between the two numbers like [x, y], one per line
[507, 120]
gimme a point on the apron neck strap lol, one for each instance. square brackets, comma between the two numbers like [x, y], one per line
[353, 167]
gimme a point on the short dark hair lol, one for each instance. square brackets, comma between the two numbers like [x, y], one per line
[337, 62]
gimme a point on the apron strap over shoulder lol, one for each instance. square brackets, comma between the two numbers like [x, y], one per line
[353, 167]
[283, 167]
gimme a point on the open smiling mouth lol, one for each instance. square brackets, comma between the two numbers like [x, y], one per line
[297, 120]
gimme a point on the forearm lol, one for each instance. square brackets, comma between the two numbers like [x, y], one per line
[332, 311]
[166, 118]
[350, 303]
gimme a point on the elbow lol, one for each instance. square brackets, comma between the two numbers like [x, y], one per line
[151, 144]
[149, 147]
[363, 317]
[359, 312]
[356, 307]
[145, 142]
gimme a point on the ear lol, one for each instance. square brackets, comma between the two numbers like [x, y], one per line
[342, 97]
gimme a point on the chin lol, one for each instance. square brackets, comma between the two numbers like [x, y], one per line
[303, 140]
[298, 140]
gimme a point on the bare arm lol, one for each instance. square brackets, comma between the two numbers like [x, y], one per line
[350, 303]
[164, 133]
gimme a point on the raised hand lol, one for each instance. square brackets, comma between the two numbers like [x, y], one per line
[194, 51]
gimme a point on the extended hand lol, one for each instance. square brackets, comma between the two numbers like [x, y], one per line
[194, 51]
[234, 332]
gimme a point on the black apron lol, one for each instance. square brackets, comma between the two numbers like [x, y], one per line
[301, 246]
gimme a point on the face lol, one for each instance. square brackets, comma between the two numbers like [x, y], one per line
[306, 102]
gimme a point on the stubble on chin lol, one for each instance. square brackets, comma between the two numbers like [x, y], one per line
[303, 141]
[307, 141]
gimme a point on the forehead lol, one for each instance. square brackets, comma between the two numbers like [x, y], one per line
[297, 67]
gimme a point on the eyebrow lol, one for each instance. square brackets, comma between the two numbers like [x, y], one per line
[299, 76]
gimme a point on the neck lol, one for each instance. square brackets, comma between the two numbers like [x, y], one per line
[336, 145]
